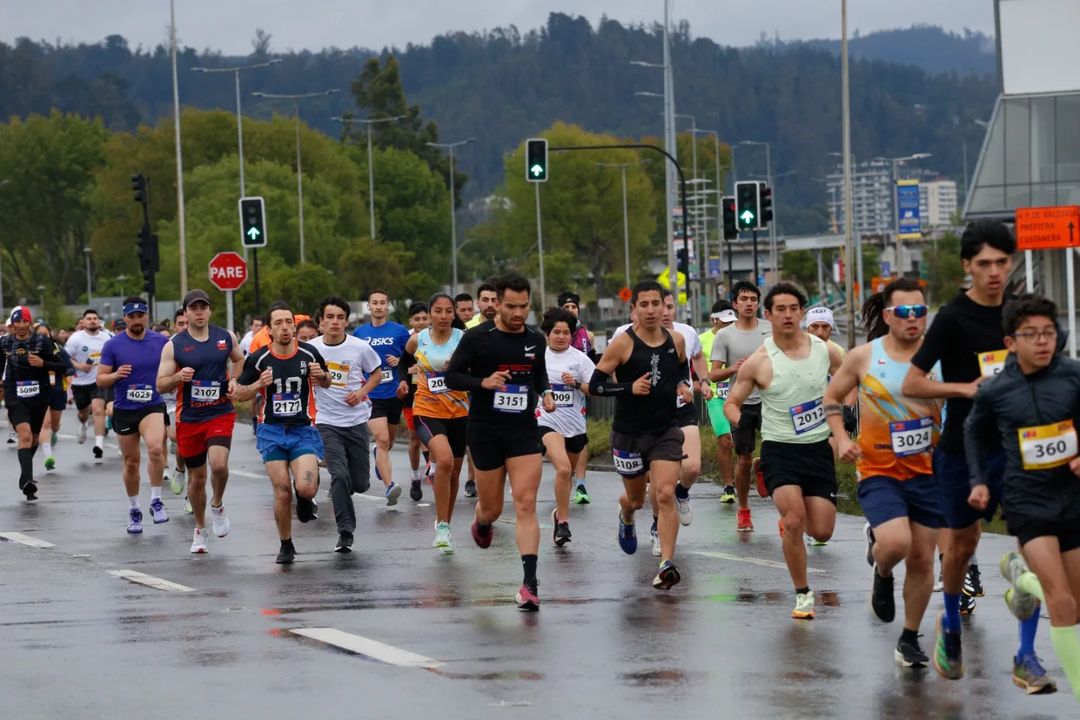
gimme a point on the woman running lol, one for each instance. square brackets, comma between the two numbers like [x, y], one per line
[57, 401]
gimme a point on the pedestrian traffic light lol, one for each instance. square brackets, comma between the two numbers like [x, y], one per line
[748, 205]
[682, 257]
[139, 189]
[731, 228]
[536, 160]
[766, 205]
[149, 262]
[252, 222]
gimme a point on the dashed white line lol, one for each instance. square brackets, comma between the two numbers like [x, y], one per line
[25, 540]
[150, 581]
[755, 561]
[367, 647]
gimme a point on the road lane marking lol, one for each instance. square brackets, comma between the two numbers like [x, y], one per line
[25, 540]
[150, 581]
[367, 647]
[755, 561]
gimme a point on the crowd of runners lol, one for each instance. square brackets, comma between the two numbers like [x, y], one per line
[946, 422]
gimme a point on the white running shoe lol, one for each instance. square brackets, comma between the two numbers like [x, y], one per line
[198, 543]
[80, 434]
[686, 513]
[219, 522]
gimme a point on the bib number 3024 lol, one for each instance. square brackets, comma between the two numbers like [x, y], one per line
[911, 437]
[627, 463]
[512, 399]
[286, 404]
[807, 417]
[1047, 446]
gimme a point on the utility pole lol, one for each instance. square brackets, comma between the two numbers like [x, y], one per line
[845, 92]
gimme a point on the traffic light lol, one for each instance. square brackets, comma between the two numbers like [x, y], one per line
[731, 228]
[536, 160]
[766, 205]
[139, 189]
[252, 222]
[149, 262]
[682, 263]
[748, 205]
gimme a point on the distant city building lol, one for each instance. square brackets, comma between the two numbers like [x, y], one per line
[873, 198]
[938, 202]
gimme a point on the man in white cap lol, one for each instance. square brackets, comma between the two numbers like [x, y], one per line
[820, 322]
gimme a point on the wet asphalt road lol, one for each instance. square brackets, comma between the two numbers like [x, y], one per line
[441, 634]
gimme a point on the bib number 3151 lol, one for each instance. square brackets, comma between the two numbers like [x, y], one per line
[512, 399]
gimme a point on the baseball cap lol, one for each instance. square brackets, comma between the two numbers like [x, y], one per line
[196, 296]
[820, 315]
[727, 316]
[19, 313]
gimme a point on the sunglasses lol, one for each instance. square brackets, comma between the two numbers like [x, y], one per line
[908, 311]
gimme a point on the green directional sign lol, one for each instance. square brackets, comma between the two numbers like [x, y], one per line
[537, 170]
[536, 160]
[252, 222]
[253, 233]
[747, 218]
[748, 204]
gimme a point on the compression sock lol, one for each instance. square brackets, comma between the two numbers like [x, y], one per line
[1029, 582]
[26, 466]
[528, 563]
[951, 621]
[1027, 634]
[1067, 647]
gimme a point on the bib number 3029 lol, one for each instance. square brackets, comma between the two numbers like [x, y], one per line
[512, 399]
[808, 416]
[1047, 446]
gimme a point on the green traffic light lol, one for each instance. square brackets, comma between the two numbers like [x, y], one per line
[537, 170]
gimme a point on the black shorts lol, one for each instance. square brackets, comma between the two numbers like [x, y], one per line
[389, 408]
[84, 394]
[810, 466]
[126, 422]
[574, 443]
[453, 429]
[1026, 529]
[31, 413]
[633, 454]
[492, 445]
[687, 415]
[744, 436]
[57, 398]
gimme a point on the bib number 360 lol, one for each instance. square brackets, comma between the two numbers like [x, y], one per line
[1047, 446]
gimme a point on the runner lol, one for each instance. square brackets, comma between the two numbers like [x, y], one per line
[721, 316]
[419, 319]
[245, 343]
[893, 455]
[441, 413]
[487, 304]
[50, 429]
[967, 339]
[196, 363]
[645, 434]
[84, 347]
[1031, 410]
[790, 370]
[284, 372]
[584, 341]
[464, 308]
[821, 323]
[129, 365]
[177, 479]
[562, 433]
[306, 331]
[26, 360]
[387, 338]
[343, 414]
[731, 347]
[502, 365]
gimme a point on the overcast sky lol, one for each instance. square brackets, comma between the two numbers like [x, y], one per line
[229, 25]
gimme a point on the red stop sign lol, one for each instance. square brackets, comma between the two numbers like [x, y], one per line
[228, 271]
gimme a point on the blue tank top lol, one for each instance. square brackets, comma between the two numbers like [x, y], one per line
[204, 397]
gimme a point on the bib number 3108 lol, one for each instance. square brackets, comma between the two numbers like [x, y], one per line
[627, 463]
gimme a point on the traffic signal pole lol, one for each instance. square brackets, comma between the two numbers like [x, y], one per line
[755, 258]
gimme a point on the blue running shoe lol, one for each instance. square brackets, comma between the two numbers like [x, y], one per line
[393, 492]
[1030, 676]
[627, 536]
[134, 521]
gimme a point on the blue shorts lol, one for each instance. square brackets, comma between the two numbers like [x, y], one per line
[284, 442]
[885, 498]
[951, 473]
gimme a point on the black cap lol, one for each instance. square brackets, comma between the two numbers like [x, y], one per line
[569, 297]
[196, 296]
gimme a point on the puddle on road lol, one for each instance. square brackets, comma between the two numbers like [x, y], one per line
[500, 675]
[661, 678]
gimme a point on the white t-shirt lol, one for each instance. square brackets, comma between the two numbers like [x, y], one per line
[84, 347]
[347, 363]
[690, 338]
[569, 416]
[245, 343]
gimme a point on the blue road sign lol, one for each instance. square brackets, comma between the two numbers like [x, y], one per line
[907, 209]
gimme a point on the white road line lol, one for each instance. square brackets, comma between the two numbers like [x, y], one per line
[367, 647]
[150, 581]
[25, 540]
[755, 561]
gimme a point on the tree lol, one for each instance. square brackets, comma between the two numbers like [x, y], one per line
[944, 271]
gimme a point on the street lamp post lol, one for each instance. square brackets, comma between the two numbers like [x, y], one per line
[719, 195]
[370, 163]
[453, 200]
[2, 184]
[296, 98]
[625, 218]
[845, 115]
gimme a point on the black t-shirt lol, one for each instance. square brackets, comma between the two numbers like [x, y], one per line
[22, 381]
[290, 400]
[962, 337]
[485, 349]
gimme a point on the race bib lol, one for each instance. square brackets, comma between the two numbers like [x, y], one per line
[911, 437]
[1047, 446]
[808, 416]
[627, 463]
[205, 390]
[991, 363]
[513, 399]
[285, 404]
[339, 373]
[140, 393]
[387, 376]
[27, 388]
[563, 395]
[722, 391]
[94, 358]
[436, 383]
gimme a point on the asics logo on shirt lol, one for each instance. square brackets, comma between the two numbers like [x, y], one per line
[375, 342]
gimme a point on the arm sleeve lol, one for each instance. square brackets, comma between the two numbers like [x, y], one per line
[978, 425]
[250, 373]
[457, 372]
[600, 384]
[53, 361]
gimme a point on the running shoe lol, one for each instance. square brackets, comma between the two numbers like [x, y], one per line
[187, 506]
[882, 601]
[157, 509]
[909, 654]
[560, 533]
[948, 656]
[581, 495]
[470, 488]
[759, 477]
[973, 581]
[814, 542]
[198, 542]
[176, 481]
[80, 434]
[443, 539]
[728, 495]
[393, 492]
[482, 535]
[743, 523]
[868, 533]
[219, 521]
[967, 604]
[99, 453]
[1021, 604]
[287, 553]
[50, 463]
[804, 606]
[627, 536]
[12, 436]
[306, 509]
[30, 490]
[668, 577]
[682, 504]
[344, 543]
[134, 521]
[527, 599]
[939, 584]
[416, 491]
[654, 534]
[1030, 676]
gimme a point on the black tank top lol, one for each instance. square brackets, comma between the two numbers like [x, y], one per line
[654, 412]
